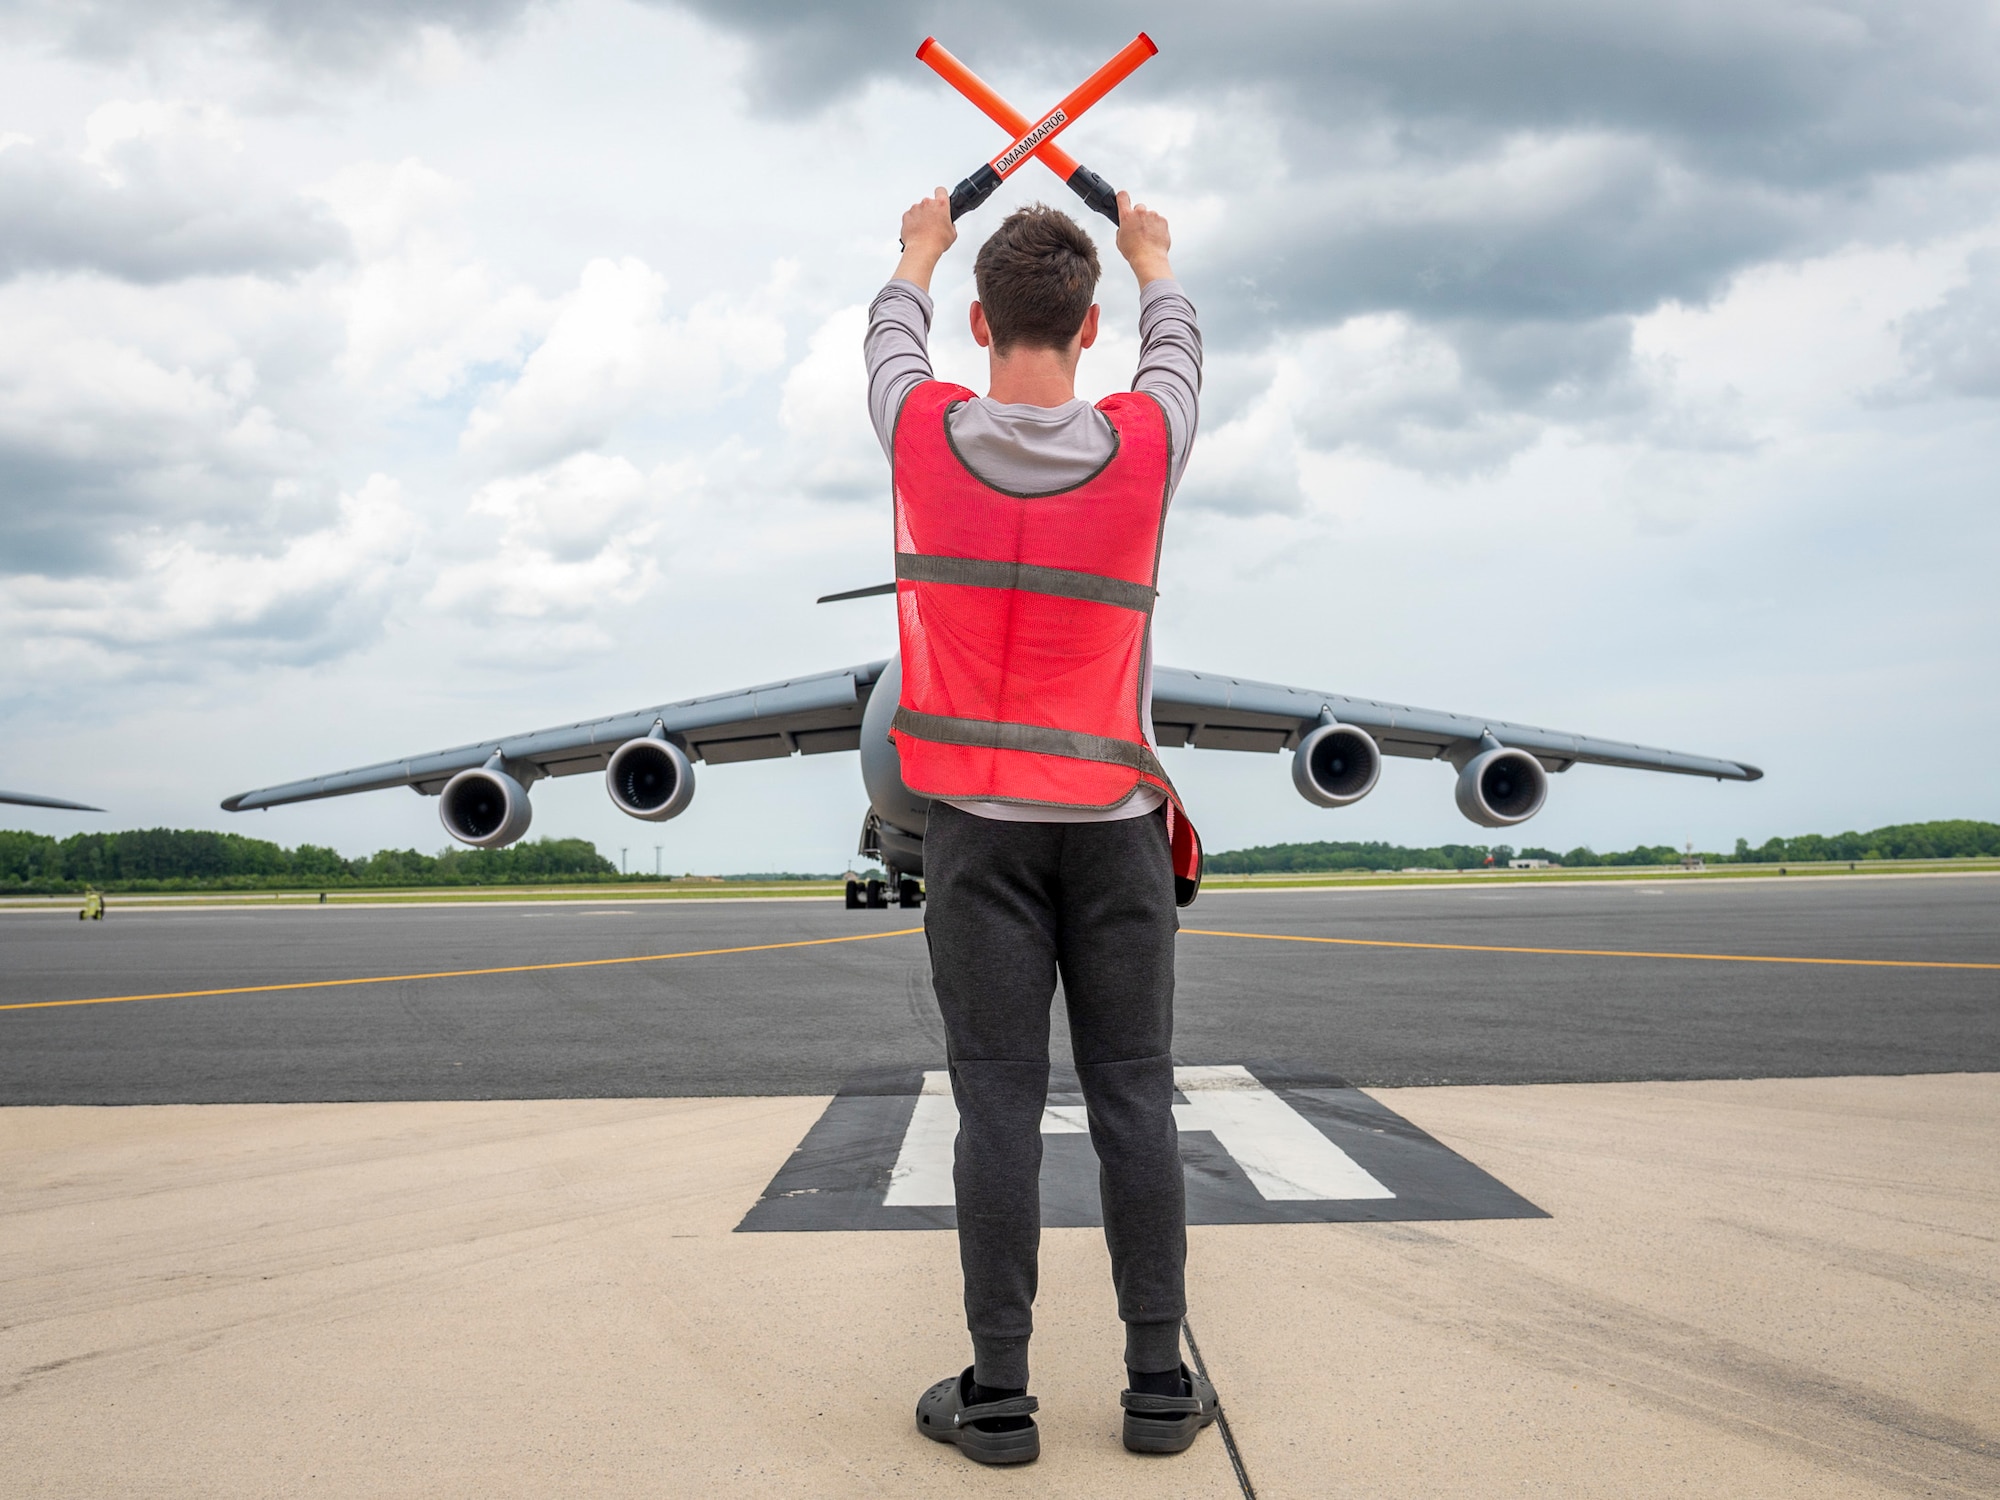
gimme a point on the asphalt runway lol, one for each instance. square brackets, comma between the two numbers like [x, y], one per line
[808, 1019]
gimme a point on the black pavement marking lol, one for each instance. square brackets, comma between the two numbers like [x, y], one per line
[1221, 1418]
[840, 1175]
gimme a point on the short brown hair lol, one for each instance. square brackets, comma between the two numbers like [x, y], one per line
[1036, 276]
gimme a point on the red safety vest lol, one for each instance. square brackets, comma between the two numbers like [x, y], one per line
[1023, 621]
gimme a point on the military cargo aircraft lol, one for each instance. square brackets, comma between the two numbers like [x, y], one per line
[647, 756]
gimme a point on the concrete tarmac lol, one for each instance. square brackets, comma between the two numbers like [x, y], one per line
[807, 1019]
[483, 1249]
[1778, 1288]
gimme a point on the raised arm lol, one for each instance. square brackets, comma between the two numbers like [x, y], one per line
[896, 345]
[1169, 338]
[1143, 241]
[927, 233]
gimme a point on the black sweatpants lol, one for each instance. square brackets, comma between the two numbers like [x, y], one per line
[1009, 906]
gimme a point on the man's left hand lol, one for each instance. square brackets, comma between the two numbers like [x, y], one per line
[927, 233]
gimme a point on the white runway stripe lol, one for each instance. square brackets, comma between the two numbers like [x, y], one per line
[1278, 1150]
[921, 1177]
[1284, 1157]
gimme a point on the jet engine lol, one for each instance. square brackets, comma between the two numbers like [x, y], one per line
[1498, 787]
[650, 778]
[485, 807]
[1336, 764]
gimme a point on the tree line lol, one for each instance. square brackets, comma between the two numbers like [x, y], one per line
[143, 859]
[1953, 839]
[195, 859]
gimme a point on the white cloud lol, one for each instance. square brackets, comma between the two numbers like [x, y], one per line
[1804, 348]
[114, 124]
[1444, 402]
[118, 412]
[614, 347]
[566, 540]
[160, 192]
[419, 34]
[1250, 462]
[1397, 389]
[421, 314]
[1953, 347]
[824, 411]
[322, 592]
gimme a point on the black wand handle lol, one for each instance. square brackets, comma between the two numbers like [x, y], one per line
[974, 191]
[1094, 191]
[984, 183]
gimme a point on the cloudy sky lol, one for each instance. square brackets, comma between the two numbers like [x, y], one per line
[379, 376]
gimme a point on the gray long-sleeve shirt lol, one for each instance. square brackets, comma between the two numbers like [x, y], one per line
[1035, 449]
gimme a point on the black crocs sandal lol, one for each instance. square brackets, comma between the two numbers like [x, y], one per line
[1168, 1424]
[943, 1417]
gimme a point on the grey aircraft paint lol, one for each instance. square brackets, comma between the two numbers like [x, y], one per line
[30, 799]
[850, 709]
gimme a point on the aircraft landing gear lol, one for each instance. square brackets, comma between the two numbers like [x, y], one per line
[870, 891]
[898, 854]
[901, 856]
[876, 893]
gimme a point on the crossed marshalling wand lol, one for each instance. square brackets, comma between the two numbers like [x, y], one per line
[1036, 138]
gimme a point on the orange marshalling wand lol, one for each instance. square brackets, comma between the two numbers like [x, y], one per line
[934, 55]
[1036, 138]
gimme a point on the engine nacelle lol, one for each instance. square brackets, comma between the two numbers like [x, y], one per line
[1500, 787]
[650, 779]
[1336, 764]
[485, 807]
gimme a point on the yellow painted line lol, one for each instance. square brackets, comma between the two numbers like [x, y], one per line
[575, 963]
[1718, 958]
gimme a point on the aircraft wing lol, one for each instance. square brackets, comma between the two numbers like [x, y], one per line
[802, 715]
[1213, 712]
[821, 713]
[29, 799]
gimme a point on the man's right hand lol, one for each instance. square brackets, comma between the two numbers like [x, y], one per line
[1143, 240]
[927, 233]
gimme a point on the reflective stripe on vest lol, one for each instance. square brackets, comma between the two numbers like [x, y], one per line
[1034, 739]
[1063, 583]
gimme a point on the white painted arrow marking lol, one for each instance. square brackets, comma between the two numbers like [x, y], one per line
[1284, 1157]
